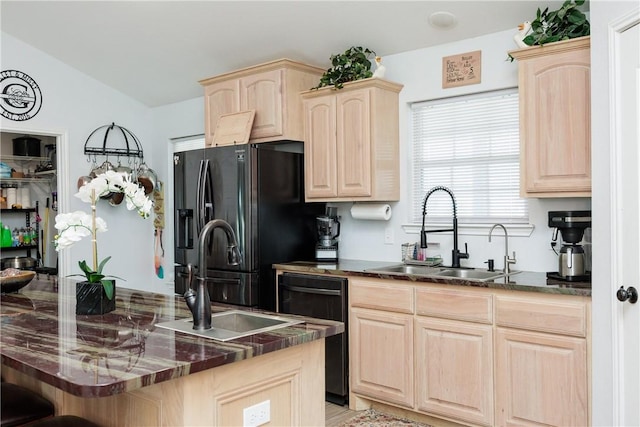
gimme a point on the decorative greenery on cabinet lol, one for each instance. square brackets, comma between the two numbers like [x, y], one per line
[562, 24]
[349, 66]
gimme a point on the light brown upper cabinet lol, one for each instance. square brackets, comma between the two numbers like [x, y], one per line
[351, 149]
[555, 119]
[271, 89]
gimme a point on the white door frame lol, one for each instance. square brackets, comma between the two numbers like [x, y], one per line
[62, 177]
[620, 401]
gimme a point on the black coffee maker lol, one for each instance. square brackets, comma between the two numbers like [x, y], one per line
[328, 228]
[572, 263]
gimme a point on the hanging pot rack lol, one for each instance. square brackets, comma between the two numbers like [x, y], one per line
[133, 148]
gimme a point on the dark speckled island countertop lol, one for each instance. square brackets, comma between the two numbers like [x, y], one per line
[97, 356]
[527, 281]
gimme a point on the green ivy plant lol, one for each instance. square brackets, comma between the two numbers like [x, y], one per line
[562, 24]
[353, 64]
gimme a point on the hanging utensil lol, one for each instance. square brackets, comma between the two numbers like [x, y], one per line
[159, 253]
[85, 179]
[45, 233]
[158, 223]
[147, 178]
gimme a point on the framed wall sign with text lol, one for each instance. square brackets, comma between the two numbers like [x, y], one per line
[461, 70]
[20, 95]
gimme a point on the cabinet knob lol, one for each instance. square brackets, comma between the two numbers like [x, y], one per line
[630, 294]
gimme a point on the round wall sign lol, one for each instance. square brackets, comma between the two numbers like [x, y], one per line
[20, 96]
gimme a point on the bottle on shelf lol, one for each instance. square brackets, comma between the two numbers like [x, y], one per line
[26, 237]
[7, 240]
[15, 237]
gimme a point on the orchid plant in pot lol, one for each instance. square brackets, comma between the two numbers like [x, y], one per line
[96, 295]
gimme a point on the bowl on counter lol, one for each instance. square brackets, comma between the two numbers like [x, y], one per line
[12, 279]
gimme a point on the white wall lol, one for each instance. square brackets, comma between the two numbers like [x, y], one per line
[420, 73]
[177, 120]
[73, 106]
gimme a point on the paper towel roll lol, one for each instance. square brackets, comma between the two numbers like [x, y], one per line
[372, 211]
[25, 197]
[12, 197]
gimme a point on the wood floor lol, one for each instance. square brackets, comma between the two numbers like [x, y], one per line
[336, 414]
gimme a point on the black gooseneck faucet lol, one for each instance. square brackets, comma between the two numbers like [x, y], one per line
[456, 255]
[200, 303]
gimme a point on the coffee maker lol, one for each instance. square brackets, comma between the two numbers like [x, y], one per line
[328, 228]
[572, 262]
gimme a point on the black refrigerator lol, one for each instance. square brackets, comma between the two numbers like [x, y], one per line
[259, 190]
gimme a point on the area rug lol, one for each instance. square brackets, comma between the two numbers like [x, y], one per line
[371, 418]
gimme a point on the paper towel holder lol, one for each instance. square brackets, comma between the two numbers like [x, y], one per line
[371, 211]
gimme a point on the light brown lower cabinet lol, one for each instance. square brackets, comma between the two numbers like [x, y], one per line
[382, 344]
[542, 360]
[454, 369]
[472, 356]
[541, 379]
[381, 340]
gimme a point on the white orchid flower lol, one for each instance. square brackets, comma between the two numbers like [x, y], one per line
[73, 226]
[137, 199]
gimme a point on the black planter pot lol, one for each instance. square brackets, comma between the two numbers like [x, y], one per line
[91, 298]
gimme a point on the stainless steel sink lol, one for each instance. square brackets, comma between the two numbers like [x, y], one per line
[425, 271]
[417, 270]
[232, 324]
[482, 275]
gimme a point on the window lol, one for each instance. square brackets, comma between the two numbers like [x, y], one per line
[470, 144]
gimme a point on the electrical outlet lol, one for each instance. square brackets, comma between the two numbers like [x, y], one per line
[388, 235]
[257, 415]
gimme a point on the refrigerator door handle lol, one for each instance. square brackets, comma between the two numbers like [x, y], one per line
[207, 195]
[241, 200]
[199, 199]
[204, 197]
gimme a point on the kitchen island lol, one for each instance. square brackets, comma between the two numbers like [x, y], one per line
[119, 369]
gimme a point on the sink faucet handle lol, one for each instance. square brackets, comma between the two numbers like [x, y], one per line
[190, 275]
[465, 254]
[512, 260]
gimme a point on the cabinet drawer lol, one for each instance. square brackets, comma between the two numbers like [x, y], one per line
[454, 304]
[559, 316]
[381, 295]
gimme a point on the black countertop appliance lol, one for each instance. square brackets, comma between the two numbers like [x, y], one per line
[259, 190]
[572, 260]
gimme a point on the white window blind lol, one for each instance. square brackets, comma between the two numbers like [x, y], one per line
[471, 145]
[188, 143]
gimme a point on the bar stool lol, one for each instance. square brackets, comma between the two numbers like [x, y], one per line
[20, 405]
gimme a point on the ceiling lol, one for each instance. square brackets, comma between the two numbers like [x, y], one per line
[156, 51]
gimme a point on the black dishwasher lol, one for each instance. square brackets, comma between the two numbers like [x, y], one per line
[321, 297]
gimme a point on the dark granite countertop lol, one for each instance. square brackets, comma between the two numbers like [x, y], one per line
[95, 356]
[528, 281]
